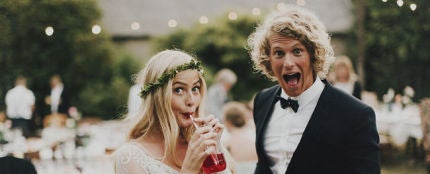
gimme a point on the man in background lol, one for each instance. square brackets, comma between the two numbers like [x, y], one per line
[59, 98]
[20, 105]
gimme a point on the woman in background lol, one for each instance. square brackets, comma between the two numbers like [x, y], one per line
[343, 77]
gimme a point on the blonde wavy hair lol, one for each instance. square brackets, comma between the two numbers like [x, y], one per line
[156, 110]
[294, 22]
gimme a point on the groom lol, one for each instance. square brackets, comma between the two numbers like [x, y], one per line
[303, 124]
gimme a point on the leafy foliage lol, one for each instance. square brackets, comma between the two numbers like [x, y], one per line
[396, 46]
[86, 62]
[221, 44]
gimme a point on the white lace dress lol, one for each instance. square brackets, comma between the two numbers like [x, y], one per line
[132, 158]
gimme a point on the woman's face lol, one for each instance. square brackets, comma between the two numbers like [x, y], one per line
[291, 64]
[342, 73]
[186, 96]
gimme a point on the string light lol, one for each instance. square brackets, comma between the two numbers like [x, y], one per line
[384, 0]
[256, 11]
[49, 31]
[172, 23]
[204, 19]
[400, 3]
[413, 6]
[232, 16]
[135, 25]
[96, 29]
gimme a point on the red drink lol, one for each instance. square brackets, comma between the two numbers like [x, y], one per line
[214, 163]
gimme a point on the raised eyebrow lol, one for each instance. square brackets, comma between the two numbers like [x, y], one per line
[298, 45]
[184, 83]
[198, 82]
[276, 48]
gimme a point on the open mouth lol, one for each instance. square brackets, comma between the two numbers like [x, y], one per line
[292, 79]
[187, 115]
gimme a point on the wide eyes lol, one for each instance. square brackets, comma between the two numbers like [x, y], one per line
[181, 90]
[196, 89]
[297, 51]
[280, 53]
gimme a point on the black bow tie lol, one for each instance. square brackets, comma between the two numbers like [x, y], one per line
[294, 104]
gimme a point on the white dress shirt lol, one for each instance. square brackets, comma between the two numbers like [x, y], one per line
[285, 128]
[56, 97]
[19, 102]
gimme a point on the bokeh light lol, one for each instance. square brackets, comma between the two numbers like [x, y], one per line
[172, 23]
[96, 29]
[413, 6]
[135, 25]
[256, 11]
[203, 20]
[49, 31]
[232, 16]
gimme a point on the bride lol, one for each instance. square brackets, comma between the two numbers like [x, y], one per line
[163, 139]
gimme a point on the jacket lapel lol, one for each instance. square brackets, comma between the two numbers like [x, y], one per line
[312, 129]
[261, 130]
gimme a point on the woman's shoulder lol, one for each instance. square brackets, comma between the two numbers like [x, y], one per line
[133, 157]
[129, 150]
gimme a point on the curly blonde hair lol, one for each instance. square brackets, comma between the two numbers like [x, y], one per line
[294, 22]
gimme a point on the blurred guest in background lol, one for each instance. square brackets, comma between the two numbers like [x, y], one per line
[343, 77]
[425, 122]
[5, 123]
[303, 124]
[218, 92]
[240, 138]
[134, 100]
[59, 98]
[3, 117]
[20, 105]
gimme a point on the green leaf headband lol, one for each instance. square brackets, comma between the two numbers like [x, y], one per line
[150, 87]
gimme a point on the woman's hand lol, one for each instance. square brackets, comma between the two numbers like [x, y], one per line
[197, 150]
[212, 122]
[205, 136]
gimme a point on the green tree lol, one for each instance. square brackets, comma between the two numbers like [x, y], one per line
[221, 44]
[396, 40]
[85, 61]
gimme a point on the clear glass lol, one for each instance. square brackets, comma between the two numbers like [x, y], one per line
[214, 162]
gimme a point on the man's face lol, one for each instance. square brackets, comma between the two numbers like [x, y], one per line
[291, 64]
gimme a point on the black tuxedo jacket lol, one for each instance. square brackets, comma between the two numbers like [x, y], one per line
[13, 165]
[64, 105]
[340, 137]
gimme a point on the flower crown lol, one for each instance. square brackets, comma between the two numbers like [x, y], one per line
[165, 77]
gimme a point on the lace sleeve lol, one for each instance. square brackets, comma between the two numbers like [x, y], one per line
[132, 158]
[129, 160]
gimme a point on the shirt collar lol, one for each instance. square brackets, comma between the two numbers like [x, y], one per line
[305, 97]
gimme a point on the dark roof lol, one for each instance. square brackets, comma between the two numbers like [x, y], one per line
[153, 15]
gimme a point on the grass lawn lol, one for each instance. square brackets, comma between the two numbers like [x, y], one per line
[401, 161]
